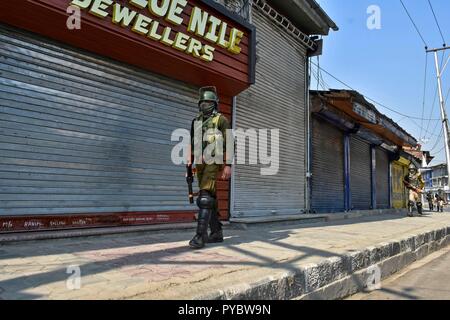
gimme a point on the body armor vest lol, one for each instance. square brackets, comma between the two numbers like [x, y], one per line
[414, 180]
[210, 127]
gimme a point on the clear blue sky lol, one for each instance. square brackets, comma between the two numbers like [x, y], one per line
[388, 65]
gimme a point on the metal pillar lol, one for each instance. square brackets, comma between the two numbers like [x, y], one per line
[442, 104]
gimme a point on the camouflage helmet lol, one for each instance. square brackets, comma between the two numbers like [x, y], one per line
[412, 167]
[208, 94]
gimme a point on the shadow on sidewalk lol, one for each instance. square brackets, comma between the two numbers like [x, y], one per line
[18, 285]
[124, 240]
[167, 256]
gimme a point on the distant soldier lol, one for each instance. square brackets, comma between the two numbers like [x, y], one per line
[437, 200]
[430, 200]
[414, 183]
[213, 127]
[440, 201]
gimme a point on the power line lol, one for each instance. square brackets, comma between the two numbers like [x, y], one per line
[440, 136]
[378, 103]
[435, 127]
[348, 86]
[432, 109]
[320, 82]
[434, 100]
[317, 80]
[374, 101]
[437, 141]
[366, 97]
[440, 150]
[418, 125]
[414, 24]
[437, 23]
[437, 123]
[442, 129]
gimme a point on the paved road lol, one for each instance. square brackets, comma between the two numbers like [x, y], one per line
[427, 279]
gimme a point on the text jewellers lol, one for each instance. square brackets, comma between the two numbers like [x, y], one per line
[201, 23]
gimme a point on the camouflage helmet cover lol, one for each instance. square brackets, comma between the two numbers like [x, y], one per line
[208, 94]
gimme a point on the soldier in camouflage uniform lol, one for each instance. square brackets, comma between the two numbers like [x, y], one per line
[430, 200]
[440, 200]
[414, 183]
[213, 126]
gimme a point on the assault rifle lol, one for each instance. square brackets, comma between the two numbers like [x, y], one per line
[410, 186]
[190, 180]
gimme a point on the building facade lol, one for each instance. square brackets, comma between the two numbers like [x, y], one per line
[278, 100]
[87, 111]
[91, 91]
[358, 162]
[436, 180]
[399, 169]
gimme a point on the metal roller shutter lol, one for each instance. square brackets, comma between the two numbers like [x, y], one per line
[382, 179]
[327, 184]
[276, 101]
[360, 175]
[81, 134]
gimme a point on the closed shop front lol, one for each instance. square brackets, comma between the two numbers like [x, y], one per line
[85, 135]
[87, 116]
[360, 175]
[382, 179]
[328, 180]
[399, 193]
[351, 157]
[276, 101]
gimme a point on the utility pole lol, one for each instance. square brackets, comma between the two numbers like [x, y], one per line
[442, 103]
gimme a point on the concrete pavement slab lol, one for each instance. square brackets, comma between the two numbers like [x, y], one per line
[265, 262]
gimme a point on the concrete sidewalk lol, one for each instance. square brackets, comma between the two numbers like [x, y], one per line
[322, 261]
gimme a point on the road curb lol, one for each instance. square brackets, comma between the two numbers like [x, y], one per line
[341, 276]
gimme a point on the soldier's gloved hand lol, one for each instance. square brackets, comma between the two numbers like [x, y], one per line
[226, 174]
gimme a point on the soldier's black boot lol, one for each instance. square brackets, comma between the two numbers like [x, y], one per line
[410, 208]
[205, 203]
[216, 235]
[420, 208]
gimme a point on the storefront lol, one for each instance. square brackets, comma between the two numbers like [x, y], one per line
[328, 173]
[353, 149]
[87, 114]
[276, 106]
[276, 101]
[382, 174]
[399, 193]
[360, 174]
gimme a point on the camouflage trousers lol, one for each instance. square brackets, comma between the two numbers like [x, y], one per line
[207, 180]
[414, 196]
[207, 177]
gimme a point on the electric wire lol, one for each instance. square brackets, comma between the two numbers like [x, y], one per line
[438, 140]
[434, 100]
[414, 24]
[289, 39]
[440, 150]
[374, 101]
[437, 123]
[411, 118]
[437, 22]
